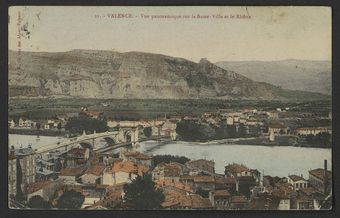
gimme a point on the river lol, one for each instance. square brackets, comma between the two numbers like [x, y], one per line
[275, 160]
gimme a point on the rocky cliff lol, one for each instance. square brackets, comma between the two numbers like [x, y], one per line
[108, 74]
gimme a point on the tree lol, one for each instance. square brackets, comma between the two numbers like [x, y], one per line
[166, 158]
[59, 126]
[147, 131]
[242, 131]
[70, 200]
[141, 194]
[38, 202]
[38, 125]
[194, 131]
[79, 124]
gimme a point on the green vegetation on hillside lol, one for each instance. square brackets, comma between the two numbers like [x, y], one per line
[123, 109]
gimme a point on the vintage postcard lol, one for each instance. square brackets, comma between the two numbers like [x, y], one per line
[170, 108]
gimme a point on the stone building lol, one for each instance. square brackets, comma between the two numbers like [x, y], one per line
[12, 174]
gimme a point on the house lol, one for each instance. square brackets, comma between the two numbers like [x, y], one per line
[219, 198]
[242, 120]
[92, 114]
[307, 199]
[244, 184]
[53, 160]
[167, 185]
[45, 189]
[167, 171]
[137, 158]
[277, 128]
[12, 174]
[313, 130]
[321, 179]
[230, 120]
[25, 123]
[297, 182]
[273, 114]
[111, 199]
[284, 193]
[72, 174]
[169, 128]
[123, 172]
[314, 197]
[11, 124]
[93, 175]
[238, 202]
[26, 160]
[47, 126]
[206, 166]
[251, 122]
[227, 183]
[43, 174]
[206, 183]
[237, 170]
[77, 157]
[175, 200]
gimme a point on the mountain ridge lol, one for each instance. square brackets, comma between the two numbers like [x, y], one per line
[303, 75]
[110, 74]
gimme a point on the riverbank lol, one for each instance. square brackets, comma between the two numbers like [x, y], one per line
[44, 132]
[287, 141]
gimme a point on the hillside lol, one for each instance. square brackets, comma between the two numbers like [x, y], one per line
[292, 74]
[132, 75]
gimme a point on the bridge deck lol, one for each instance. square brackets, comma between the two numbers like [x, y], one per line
[115, 146]
[71, 141]
[79, 139]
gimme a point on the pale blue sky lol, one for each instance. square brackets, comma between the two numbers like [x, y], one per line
[272, 33]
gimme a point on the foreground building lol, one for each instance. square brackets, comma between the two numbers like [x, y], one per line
[12, 174]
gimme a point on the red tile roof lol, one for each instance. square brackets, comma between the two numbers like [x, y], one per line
[33, 187]
[204, 179]
[296, 178]
[221, 193]
[167, 182]
[236, 168]
[319, 173]
[129, 167]
[72, 171]
[96, 170]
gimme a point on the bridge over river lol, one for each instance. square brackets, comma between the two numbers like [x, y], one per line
[123, 137]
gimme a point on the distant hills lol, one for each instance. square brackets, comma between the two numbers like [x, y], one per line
[304, 75]
[135, 75]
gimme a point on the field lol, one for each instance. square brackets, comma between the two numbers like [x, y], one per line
[41, 109]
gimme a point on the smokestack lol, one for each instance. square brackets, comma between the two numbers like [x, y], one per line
[325, 179]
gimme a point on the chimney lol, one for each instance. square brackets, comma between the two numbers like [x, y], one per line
[325, 179]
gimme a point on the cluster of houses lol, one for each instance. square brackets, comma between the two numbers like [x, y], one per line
[269, 123]
[100, 178]
[266, 123]
[30, 124]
